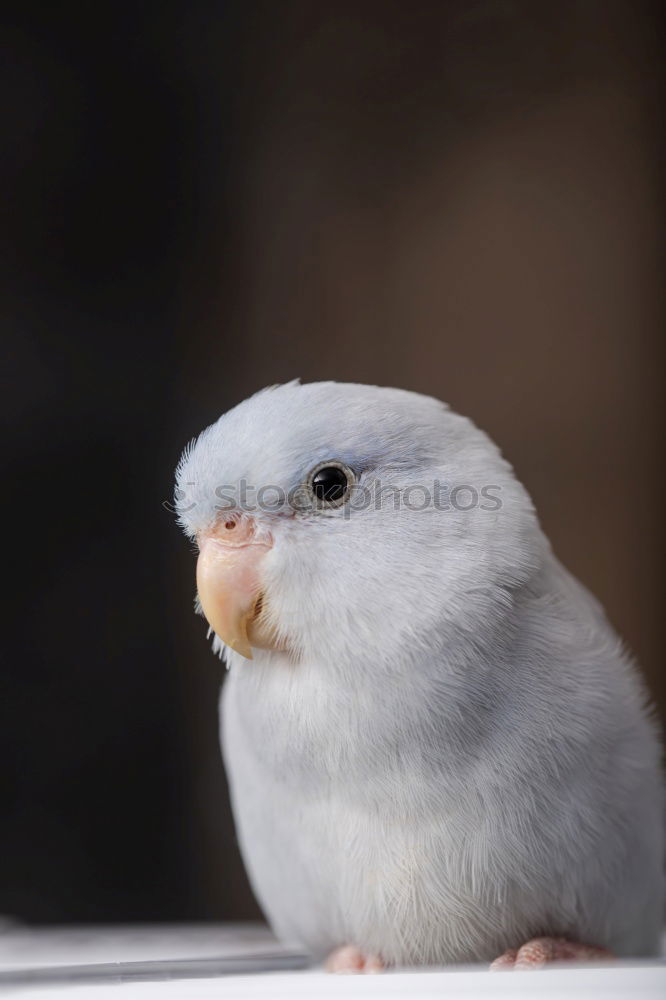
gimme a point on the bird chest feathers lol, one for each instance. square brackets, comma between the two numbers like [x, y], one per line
[338, 844]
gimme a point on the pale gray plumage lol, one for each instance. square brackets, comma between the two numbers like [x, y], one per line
[459, 755]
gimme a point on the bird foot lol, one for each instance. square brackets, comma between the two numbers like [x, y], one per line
[539, 951]
[350, 959]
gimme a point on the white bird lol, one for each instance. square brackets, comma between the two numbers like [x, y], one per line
[440, 751]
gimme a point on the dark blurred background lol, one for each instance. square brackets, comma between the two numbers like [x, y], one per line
[462, 198]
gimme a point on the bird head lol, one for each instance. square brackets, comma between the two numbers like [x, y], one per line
[338, 519]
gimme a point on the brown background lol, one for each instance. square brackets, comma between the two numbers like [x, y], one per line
[459, 198]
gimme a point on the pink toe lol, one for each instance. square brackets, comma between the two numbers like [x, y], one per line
[373, 964]
[538, 952]
[350, 959]
[346, 959]
[505, 961]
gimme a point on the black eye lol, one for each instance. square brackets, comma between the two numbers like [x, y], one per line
[330, 483]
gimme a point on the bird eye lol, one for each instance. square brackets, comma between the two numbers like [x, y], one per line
[330, 483]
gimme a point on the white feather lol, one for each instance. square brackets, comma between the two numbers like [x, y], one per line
[461, 757]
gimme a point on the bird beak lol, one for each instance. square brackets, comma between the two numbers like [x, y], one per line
[229, 585]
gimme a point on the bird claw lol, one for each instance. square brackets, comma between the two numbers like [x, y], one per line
[540, 951]
[351, 960]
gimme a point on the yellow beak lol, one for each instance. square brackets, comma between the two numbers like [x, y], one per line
[229, 584]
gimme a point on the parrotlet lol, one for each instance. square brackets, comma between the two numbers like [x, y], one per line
[438, 749]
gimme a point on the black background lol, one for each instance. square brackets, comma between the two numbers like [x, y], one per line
[118, 134]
